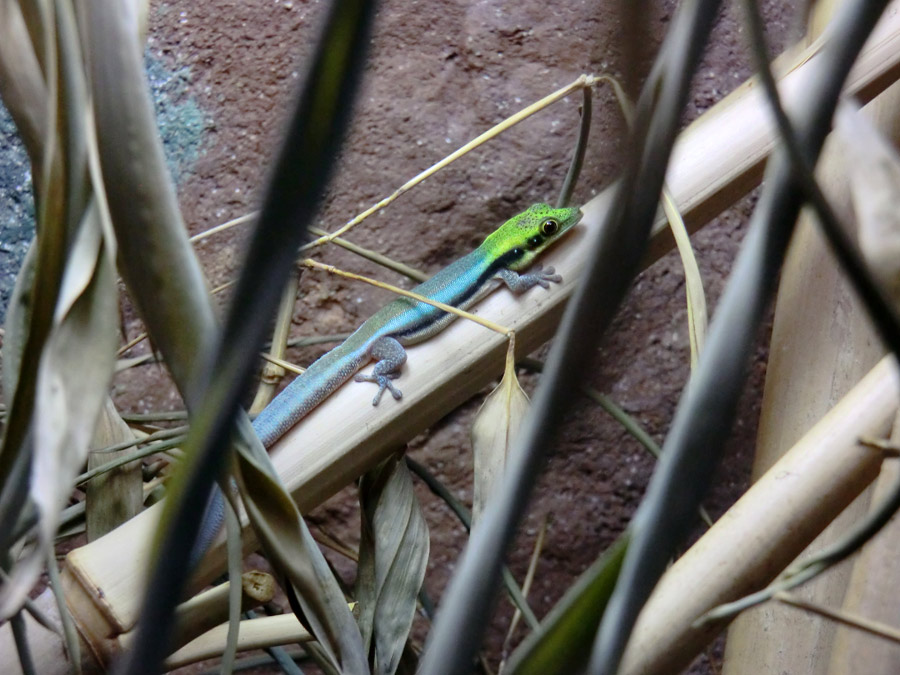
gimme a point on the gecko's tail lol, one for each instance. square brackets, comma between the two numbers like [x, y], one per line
[307, 391]
[213, 518]
[291, 405]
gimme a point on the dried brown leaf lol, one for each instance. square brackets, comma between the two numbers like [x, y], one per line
[493, 432]
[393, 555]
[73, 376]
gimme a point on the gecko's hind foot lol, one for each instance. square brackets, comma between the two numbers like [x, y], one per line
[383, 382]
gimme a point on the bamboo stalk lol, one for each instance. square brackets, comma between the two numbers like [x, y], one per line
[767, 528]
[871, 594]
[267, 631]
[876, 571]
[115, 497]
[207, 610]
[822, 343]
[712, 166]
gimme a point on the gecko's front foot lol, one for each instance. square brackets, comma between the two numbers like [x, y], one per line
[537, 276]
[383, 382]
[544, 276]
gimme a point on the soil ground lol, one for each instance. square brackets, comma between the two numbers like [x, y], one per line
[438, 75]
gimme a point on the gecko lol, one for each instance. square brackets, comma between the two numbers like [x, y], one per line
[500, 260]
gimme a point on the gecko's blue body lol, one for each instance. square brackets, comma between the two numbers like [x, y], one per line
[460, 284]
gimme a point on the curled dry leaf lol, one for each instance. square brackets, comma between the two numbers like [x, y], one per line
[493, 432]
[73, 375]
[874, 169]
[693, 282]
[22, 85]
[393, 555]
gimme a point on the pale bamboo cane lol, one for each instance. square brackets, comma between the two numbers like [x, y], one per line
[876, 571]
[712, 166]
[267, 631]
[822, 343]
[871, 593]
[767, 527]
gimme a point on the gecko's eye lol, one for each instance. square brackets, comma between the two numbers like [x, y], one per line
[549, 227]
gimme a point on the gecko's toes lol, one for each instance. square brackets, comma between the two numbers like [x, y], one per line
[383, 382]
[396, 393]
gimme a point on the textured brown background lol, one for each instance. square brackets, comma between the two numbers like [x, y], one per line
[440, 73]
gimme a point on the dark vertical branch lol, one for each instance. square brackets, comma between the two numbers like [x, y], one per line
[584, 132]
[706, 411]
[618, 250]
[298, 180]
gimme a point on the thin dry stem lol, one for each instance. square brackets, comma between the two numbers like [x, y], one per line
[582, 81]
[876, 628]
[331, 269]
[281, 363]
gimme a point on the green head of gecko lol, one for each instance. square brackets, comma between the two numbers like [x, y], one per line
[522, 238]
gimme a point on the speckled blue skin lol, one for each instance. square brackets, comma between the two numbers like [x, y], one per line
[404, 321]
